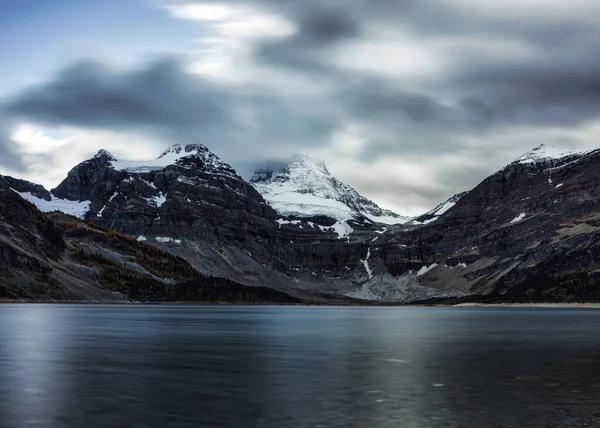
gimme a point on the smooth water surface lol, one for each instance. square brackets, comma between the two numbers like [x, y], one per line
[276, 367]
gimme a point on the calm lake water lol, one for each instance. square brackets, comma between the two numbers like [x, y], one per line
[276, 367]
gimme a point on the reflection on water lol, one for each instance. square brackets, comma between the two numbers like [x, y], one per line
[184, 366]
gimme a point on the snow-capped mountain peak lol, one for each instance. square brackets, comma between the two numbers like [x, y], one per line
[104, 154]
[175, 148]
[302, 161]
[545, 152]
[306, 188]
[178, 149]
[174, 155]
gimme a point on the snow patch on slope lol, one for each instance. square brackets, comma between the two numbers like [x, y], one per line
[166, 159]
[160, 199]
[441, 209]
[445, 207]
[342, 229]
[165, 239]
[518, 218]
[75, 208]
[282, 221]
[386, 219]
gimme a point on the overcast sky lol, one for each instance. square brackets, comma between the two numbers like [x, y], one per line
[408, 101]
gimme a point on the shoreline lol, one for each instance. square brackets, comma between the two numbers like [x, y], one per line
[133, 303]
[579, 305]
[528, 305]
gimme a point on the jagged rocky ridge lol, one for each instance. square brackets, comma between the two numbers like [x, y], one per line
[529, 231]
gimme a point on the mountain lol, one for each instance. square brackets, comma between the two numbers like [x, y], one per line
[57, 257]
[527, 232]
[153, 186]
[187, 201]
[304, 188]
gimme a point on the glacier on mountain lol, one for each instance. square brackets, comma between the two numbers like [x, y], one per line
[75, 208]
[306, 188]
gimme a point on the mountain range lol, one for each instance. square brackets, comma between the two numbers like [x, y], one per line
[142, 230]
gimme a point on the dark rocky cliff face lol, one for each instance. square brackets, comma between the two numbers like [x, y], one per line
[29, 242]
[21, 221]
[24, 186]
[90, 180]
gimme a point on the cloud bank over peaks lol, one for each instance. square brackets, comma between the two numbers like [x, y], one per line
[408, 101]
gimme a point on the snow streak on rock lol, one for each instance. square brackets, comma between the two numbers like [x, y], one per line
[518, 218]
[365, 263]
[426, 269]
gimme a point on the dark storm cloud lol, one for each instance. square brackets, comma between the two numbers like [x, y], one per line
[163, 99]
[559, 83]
[325, 25]
[159, 96]
[319, 26]
[546, 92]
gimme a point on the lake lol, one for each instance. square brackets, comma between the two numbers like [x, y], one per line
[289, 366]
